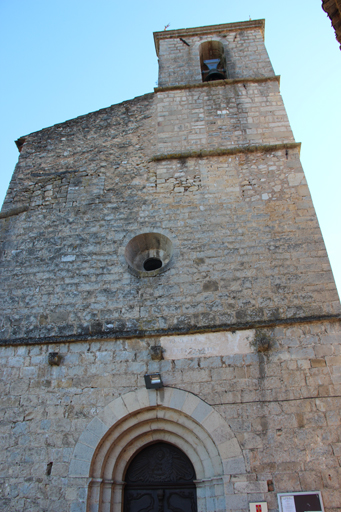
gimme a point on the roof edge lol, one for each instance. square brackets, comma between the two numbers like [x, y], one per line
[20, 142]
[210, 29]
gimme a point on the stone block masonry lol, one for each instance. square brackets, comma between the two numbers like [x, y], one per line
[64, 273]
[243, 323]
[245, 53]
[239, 114]
[283, 408]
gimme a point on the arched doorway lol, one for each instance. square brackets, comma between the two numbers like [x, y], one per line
[160, 478]
[140, 418]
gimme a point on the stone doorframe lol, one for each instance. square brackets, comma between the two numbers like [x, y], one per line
[139, 418]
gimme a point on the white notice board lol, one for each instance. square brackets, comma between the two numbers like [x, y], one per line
[300, 501]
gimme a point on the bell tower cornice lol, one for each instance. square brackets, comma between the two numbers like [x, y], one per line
[211, 29]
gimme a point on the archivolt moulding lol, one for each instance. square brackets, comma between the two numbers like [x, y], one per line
[139, 418]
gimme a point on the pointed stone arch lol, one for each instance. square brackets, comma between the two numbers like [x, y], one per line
[141, 417]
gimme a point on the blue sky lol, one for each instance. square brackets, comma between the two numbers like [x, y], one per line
[63, 59]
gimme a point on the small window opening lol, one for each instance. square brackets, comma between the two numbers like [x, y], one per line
[49, 468]
[212, 61]
[152, 264]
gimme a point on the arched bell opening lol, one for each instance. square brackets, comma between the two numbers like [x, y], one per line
[212, 61]
[160, 477]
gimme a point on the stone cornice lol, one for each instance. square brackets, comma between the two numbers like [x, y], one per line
[115, 335]
[13, 211]
[211, 29]
[226, 151]
[218, 83]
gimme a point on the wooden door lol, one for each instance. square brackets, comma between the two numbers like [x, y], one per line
[160, 479]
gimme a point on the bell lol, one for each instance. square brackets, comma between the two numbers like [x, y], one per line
[213, 72]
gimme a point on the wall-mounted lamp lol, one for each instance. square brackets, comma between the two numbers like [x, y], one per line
[153, 381]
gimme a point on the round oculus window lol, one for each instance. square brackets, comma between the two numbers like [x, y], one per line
[149, 254]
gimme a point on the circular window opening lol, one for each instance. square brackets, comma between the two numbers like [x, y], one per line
[148, 254]
[152, 264]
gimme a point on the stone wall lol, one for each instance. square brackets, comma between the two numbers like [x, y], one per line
[247, 242]
[246, 315]
[213, 118]
[245, 53]
[79, 161]
[281, 401]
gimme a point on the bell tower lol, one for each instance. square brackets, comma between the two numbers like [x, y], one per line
[225, 149]
[236, 50]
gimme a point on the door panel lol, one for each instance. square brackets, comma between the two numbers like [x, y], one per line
[160, 479]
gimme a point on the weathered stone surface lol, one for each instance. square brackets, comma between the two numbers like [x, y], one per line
[180, 64]
[207, 345]
[91, 186]
[245, 317]
[76, 259]
[276, 432]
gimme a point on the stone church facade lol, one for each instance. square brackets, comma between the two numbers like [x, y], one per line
[170, 328]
